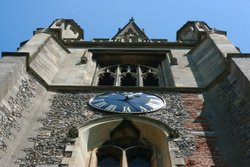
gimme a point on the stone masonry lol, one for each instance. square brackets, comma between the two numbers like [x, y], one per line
[45, 87]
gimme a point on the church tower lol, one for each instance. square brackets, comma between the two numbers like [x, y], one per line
[127, 100]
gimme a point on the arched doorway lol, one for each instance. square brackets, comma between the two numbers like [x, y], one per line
[124, 141]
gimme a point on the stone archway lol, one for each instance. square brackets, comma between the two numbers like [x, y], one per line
[118, 139]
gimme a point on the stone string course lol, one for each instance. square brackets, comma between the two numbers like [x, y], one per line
[238, 113]
[71, 110]
[18, 103]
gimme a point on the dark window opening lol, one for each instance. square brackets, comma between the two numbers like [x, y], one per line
[109, 156]
[106, 79]
[124, 68]
[113, 69]
[150, 79]
[133, 68]
[128, 80]
[139, 156]
[108, 162]
[138, 162]
[144, 69]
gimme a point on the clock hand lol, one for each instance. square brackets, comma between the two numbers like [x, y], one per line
[133, 105]
[130, 96]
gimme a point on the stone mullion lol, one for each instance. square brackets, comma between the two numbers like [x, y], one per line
[124, 159]
[93, 160]
[96, 78]
[140, 78]
[118, 76]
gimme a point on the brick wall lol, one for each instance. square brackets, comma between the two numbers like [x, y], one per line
[206, 153]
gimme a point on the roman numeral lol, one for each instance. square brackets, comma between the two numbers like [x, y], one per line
[100, 104]
[126, 109]
[143, 109]
[103, 96]
[152, 104]
[156, 101]
[97, 100]
[151, 97]
[111, 107]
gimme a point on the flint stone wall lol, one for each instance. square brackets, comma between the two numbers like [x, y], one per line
[70, 110]
[237, 109]
[12, 108]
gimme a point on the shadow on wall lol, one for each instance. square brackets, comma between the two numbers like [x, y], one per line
[206, 152]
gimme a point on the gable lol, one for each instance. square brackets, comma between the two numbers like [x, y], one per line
[130, 33]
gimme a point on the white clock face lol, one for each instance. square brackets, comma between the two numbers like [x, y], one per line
[127, 102]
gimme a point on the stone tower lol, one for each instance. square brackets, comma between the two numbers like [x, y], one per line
[128, 100]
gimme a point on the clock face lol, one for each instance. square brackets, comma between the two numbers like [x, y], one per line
[127, 102]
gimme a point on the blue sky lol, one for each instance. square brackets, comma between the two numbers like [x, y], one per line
[102, 18]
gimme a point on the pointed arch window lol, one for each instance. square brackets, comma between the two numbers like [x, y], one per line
[123, 143]
[124, 149]
[128, 75]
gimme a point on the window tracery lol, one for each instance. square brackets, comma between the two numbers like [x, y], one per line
[150, 79]
[124, 148]
[106, 79]
[128, 79]
[128, 75]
